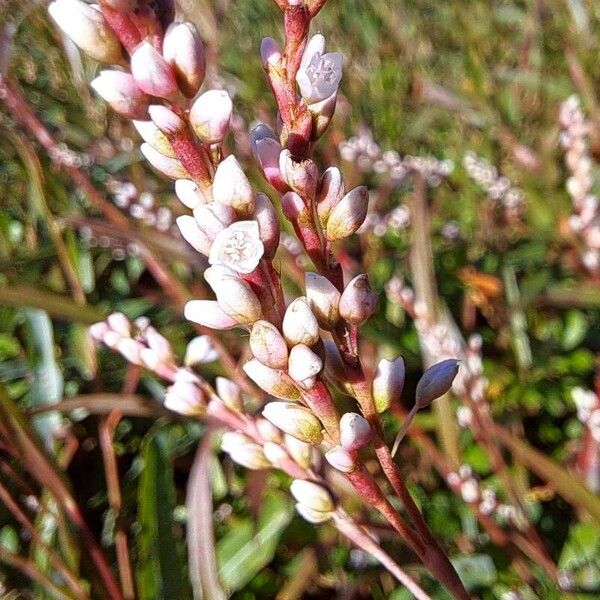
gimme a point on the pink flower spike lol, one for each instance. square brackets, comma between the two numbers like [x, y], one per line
[152, 73]
[209, 314]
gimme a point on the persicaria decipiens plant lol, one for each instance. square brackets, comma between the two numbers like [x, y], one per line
[304, 348]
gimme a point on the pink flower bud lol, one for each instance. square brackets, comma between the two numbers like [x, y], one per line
[323, 298]
[304, 366]
[189, 193]
[86, 27]
[130, 349]
[167, 166]
[193, 235]
[348, 214]
[200, 351]
[249, 455]
[340, 459]
[152, 73]
[331, 191]
[388, 383]
[270, 53]
[322, 113]
[268, 224]
[209, 314]
[436, 381]
[112, 338]
[231, 187]
[120, 91]
[166, 120]
[152, 135]
[184, 51]
[185, 398]
[293, 207]
[312, 495]
[312, 516]
[233, 439]
[275, 454]
[299, 324]
[302, 176]
[355, 431]
[300, 451]
[159, 344]
[238, 247]
[267, 152]
[210, 115]
[213, 217]
[273, 381]
[98, 331]
[294, 420]
[268, 346]
[358, 302]
[230, 393]
[118, 322]
[268, 431]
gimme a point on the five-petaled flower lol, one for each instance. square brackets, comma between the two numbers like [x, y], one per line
[238, 247]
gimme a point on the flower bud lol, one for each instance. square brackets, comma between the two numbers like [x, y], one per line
[249, 455]
[213, 217]
[270, 53]
[159, 344]
[348, 214]
[275, 454]
[193, 235]
[238, 247]
[266, 150]
[294, 208]
[302, 176]
[166, 120]
[152, 73]
[233, 439]
[87, 28]
[150, 360]
[331, 191]
[209, 314]
[436, 381]
[312, 516]
[340, 459]
[112, 338]
[210, 115]
[168, 166]
[312, 495]
[322, 113]
[304, 366]
[184, 51]
[355, 431]
[231, 187]
[300, 451]
[358, 302]
[268, 431]
[230, 393]
[152, 135]
[294, 420]
[188, 192]
[273, 381]
[388, 383]
[200, 351]
[120, 91]
[299, 324]
[98, 331]
[268, 346]
[185, 398]
[130, 350]
[268, 224]
[323, 298]
[118, 322]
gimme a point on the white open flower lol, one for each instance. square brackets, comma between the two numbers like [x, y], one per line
[320, 73]
[238, 247]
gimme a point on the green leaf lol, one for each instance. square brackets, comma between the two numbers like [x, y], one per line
[475, 571]
[575, 328]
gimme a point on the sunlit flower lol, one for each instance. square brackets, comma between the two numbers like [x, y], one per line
[238, 247]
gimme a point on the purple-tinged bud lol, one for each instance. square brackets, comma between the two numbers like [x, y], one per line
[348, 214]
[152, 135]
[302, 176]
[316, 45]
[184, 51]
[312, 516]
[213, 217]
[261, 132]
[268, 346]
[340, 459]
[312, 495]
[167, 166]
[210, 116]
[238, 247]
[120, 91]
[358, 301]
[99, 330]
[193, 235]
[268, 431]
[331, 191]
[230, 393]
[86, 27]
[436, 381]
[293, 207]
[268, 224]
[323, 298]
[231, 187]
[355, 431]
[166, 120]
[270, 53]
[300, 325]
[118, 322]
[267, 152]
[152, 73]
[249, 455]
[275, 454]
[131, 350]
[200, 351]
[273, 381]
[300, 451]
[294, 420]
[388, 383]
[209, 314]
[189, 193]
[304, 366]
[185, 398]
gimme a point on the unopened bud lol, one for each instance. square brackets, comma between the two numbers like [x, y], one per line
[193, 235]
[209, 314]
[300, 326]
[304, 366]
[273, 381]
[185, 398]
[323, 298]
[87, 28]
[301, 175]
[120, 323]
[275, 454]
[188, 192]
[268, 431]
[312, 516]
[322, 114]
[355, 431]
[120, 91]
[348, 214]
[200, 351]
[238, 247]
[436, 381]
[295, 420]
[270, 53]
[312, 495]
[213, 217]
[300, 451]
[233, 439]
[340, 459]
[231, 187]
[99, 330]
[184, 51]
[388, 383]
[358, 302]
[268, 346]
[166, 120]
[152, 73]
[152, 135]
[210, 115]
[168, 166]
[230, 393]
[331, 191]
[130, 350]
[249, 455]
[267, 149]
[268, 224]
[159, 344]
